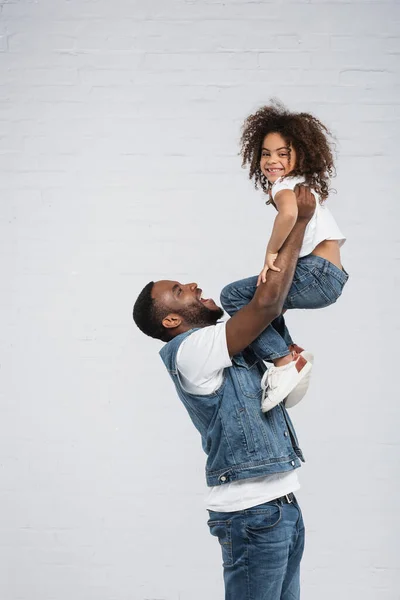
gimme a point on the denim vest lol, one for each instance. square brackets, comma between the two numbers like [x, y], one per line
[239, 439]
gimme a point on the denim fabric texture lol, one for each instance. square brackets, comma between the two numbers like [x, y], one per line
[239, 439]
[317, 283]
[261, 551]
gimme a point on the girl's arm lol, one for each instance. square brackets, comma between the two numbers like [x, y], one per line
[286, 205]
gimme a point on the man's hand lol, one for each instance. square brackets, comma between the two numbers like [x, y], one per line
[305, 202]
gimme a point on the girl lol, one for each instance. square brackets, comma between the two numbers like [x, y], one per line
[283, 149]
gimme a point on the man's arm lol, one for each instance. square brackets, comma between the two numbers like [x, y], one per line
[267, 304]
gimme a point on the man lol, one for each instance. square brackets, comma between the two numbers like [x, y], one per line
[252, 457]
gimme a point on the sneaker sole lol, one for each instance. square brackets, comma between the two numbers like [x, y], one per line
[309, 356]
[298, 393]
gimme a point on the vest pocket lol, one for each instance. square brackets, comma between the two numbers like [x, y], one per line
[222, 530]
[248, 376]
[246, 428]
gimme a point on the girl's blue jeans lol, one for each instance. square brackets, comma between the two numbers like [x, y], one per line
[317, 283]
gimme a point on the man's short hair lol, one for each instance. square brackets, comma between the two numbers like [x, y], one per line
[148, 314]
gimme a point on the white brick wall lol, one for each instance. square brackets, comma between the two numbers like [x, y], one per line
[119, 126]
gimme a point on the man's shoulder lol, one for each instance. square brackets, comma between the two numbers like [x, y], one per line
[204, 335]
[206, 348]
[194, 338]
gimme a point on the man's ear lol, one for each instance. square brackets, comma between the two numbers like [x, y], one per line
[172, 321]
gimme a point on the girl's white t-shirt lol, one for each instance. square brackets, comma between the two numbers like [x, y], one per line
[322, 225]
[201, 360]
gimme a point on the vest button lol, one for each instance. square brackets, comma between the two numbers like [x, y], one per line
[286, 434]
[223, 478]
[292, 463]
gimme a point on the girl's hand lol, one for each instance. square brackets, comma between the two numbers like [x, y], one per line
[270, 261]
[262, 275]
[269, 264]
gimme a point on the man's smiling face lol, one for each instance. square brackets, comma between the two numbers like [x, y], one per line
[186, 306]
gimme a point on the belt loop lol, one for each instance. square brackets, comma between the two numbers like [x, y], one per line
[288, 498]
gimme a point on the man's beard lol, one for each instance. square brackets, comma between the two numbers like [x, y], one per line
[201, 316]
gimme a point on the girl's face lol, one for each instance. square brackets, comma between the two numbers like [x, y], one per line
[274, 162]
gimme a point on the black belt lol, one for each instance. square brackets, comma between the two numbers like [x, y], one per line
[287, 499]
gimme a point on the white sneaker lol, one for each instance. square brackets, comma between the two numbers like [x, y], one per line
[300, 390]
[278, 382]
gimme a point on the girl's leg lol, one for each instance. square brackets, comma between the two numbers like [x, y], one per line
[272, 344]
[280, 326]
[288, 378]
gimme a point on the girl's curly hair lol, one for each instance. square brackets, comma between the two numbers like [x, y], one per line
[305, 133]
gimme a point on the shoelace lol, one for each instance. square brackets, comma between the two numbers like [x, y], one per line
[271, 384]
[273, 379]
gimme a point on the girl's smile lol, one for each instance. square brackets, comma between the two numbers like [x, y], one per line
[277, 158]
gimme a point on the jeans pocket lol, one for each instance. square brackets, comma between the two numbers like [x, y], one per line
[333, 285]
[222, 530]
[262, 518]
[314, 295]
[340, 275]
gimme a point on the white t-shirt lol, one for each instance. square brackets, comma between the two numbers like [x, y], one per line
[322, 225]
[201, 360]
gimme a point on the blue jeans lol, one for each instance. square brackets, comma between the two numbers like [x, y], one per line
[261, 551]
[317, 283]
